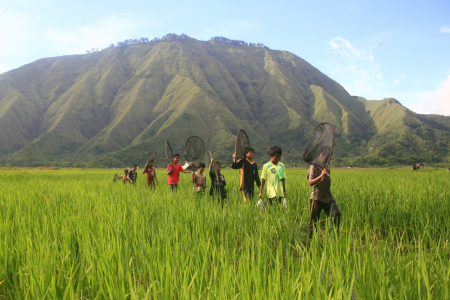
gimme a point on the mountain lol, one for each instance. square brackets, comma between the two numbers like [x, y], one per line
[115, 106]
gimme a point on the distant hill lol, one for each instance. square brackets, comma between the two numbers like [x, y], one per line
[114, 107]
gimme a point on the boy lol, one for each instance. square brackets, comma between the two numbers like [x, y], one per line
[217, 181]
[124, 177]
[321, 197]
[151, 175]
[173, 171]
[274, 174]
[248, 171]
[132, 175]
[199, 180]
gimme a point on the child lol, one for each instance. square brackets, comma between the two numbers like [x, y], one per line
[124, 177]
[199, 180]
[151, 175]
[173, 171]
[132, 175]
[248, 171]
[274, 174]
[217, 181]
[321, 197]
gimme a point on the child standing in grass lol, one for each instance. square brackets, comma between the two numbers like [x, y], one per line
[199, 180]
[217, 181]
[173, 171]
[132, 175]
[248, 171]
[151, 175]
[124, 177]
[274, 174]
[321, 197]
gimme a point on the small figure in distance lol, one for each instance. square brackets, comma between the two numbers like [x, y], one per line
[217, 181]
[321, 197]
[124, 177]
[151, 175]
[248, 171]
[274, 174]
[132, 174]
[199, 180]
[173, 171]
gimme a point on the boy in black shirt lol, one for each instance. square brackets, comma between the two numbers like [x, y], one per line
[217, 181]
[248, 171]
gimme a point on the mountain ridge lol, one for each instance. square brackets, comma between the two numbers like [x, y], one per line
[109, 107]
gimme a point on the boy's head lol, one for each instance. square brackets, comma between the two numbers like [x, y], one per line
[249, 152]
[150, 163]
[134, 167]
[275, 154]
[218, 166]
[201, 167]
[125, 172]
[176, 158]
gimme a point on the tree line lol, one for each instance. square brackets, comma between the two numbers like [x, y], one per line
[173, 36]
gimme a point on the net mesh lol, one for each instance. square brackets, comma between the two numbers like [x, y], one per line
[194, 151]
[242, 142]
[168, 151]
[149, 159]
[320, 145]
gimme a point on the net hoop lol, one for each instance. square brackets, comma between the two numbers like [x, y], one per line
[242, 142]
[321, 136]
[168, 152]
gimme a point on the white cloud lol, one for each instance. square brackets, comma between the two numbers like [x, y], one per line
[98, 35]
[356, 69]
[4, 69]
[16, 33]
[444, 29]
[400, 79]
[443, 97]
[430, 102]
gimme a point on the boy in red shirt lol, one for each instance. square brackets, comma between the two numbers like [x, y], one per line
[151, 175]
[173, 171]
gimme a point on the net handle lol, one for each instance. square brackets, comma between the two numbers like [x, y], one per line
[166, 146]
[331, 153]
[149, 159]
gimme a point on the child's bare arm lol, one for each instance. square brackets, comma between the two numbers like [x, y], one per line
[261, 188]
[318, 178]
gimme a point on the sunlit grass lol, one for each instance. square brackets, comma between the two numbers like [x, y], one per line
[68, 234]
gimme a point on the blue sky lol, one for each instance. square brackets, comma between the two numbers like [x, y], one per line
[375, 49]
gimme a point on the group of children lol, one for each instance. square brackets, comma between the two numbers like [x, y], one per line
[273, 177]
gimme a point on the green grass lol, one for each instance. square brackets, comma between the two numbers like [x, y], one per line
[68, 234]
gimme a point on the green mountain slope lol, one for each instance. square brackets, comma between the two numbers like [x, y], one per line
[114, 107]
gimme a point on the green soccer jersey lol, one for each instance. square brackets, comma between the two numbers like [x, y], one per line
[274, 175]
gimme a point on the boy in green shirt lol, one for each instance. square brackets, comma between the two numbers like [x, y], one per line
[274, 174]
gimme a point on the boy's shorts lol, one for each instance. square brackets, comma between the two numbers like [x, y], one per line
[275, 199]
[248, 195]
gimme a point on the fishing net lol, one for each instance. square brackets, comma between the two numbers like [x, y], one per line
[242, 142]
[194, 151]
[116, 178]
[320, 145]
[149, 159]
[169, 153]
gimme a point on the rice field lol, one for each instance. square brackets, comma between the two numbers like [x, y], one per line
[74, 234]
